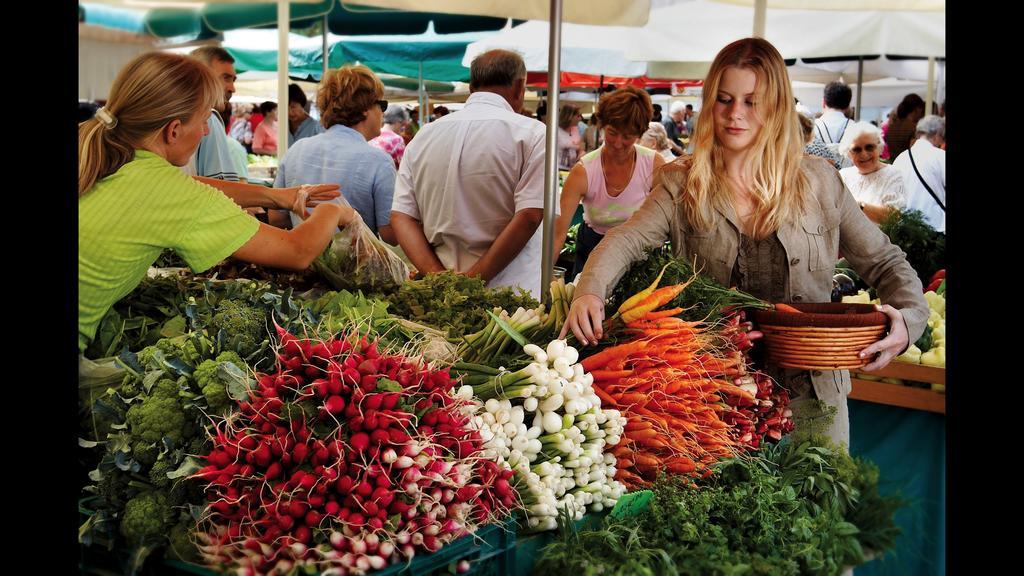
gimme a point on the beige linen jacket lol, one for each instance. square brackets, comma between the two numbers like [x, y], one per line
[832, 222]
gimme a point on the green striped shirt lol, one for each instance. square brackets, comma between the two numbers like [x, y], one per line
[129, 217]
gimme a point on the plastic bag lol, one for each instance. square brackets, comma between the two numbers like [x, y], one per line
[357, 259]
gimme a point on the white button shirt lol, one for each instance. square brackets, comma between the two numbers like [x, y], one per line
[931, 162]
[465, 176]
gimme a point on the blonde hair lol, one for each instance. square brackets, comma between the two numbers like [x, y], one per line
[346, 94]
[779, 187]
[150, 91]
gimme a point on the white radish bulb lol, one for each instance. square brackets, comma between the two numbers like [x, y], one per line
[532, 349]
[534, 432]
[510, 430]
[552, 403]
[556, 385]
[492, 405]
[572, 355]
[556, 348]
[518, 415]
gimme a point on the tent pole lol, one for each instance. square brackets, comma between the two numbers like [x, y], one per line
[860, 85]
[283, 25]
[326, 51]
[760, 12]
[422, 98]
[550, 162]
[930, 93]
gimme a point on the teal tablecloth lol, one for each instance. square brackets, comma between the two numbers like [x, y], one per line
[909, 447]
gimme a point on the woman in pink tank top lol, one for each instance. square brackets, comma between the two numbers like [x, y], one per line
[612, 181]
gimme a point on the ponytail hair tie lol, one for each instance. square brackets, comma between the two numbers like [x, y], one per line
[105, 117]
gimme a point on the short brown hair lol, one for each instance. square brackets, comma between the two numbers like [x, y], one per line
[627, 109]
[496, 68]
[208, 54]
[346, 94]
[567, 115]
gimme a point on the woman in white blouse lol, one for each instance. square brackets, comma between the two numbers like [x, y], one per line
[877, 187]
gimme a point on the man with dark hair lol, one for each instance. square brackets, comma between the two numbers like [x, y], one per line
[831, 125]
[300, 124]
[470, 190]
[213, 158]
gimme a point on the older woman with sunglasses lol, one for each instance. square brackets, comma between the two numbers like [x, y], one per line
[877, 187]
[352, 111]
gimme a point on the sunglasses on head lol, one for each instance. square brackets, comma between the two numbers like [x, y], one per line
[868, 148]
[383, 105]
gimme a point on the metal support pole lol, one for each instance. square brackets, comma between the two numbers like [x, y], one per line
[930, 94]
[860, 84]
[327, 51]
[423, 98]
[283, 25]
[760, 13]
[550, 162]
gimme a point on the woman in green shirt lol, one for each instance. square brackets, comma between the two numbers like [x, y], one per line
[133, 201]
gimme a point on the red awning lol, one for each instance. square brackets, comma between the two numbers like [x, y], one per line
[575, 80]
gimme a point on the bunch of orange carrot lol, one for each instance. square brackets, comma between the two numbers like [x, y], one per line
[669, 380]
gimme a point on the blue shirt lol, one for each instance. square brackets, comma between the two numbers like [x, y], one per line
[307, 128]
[214, 158]
[342, 156]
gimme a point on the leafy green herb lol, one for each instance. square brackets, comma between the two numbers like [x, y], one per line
[925, 248]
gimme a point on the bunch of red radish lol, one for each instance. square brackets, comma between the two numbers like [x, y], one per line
[765, 414]
[739, 331]
[346, 460]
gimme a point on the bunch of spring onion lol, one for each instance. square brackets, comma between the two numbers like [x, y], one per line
[537, 325]
[559, 457]
[345, 460]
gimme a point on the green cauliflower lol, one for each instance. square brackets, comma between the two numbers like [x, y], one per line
[214, 389]
[160, 414]
[244, 325]
[146, 517]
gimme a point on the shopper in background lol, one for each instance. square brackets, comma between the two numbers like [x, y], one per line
[755, 212]
[352, 113]
[300, 124]
[396, 117]
[241, 129]
[593, 136]
[256, 118]
[675, 126]
[833, 122]
[570, 144]
[470, 191]
[213, 158]
[903, 126]
[816, 147]
[657, 114]
[264, 140]
[923, 167]
[656, 139]
[612, 181]
[877, 187]
[133, 202]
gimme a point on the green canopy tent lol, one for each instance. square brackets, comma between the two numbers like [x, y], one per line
[207, 20]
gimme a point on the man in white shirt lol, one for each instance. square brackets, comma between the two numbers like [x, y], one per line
[923, 166]
[469, 195]
[831, 125]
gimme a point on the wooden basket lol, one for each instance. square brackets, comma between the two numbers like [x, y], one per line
[826, 336]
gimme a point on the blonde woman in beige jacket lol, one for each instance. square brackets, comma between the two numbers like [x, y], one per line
[759, 214]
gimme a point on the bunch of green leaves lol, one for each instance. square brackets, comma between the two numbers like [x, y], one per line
[790, 510]
[924, 246]
[150, 431]
[704, 299]
[343, 311]
[454, 302]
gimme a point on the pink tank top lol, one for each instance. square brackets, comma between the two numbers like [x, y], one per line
[603, 212]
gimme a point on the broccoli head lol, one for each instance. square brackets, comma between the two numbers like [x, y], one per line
[160, 414]
[180, 347]
[213, 387]
[187, 491]
[158, 473]
[182, 547]
[146, 517]
[244, 325]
